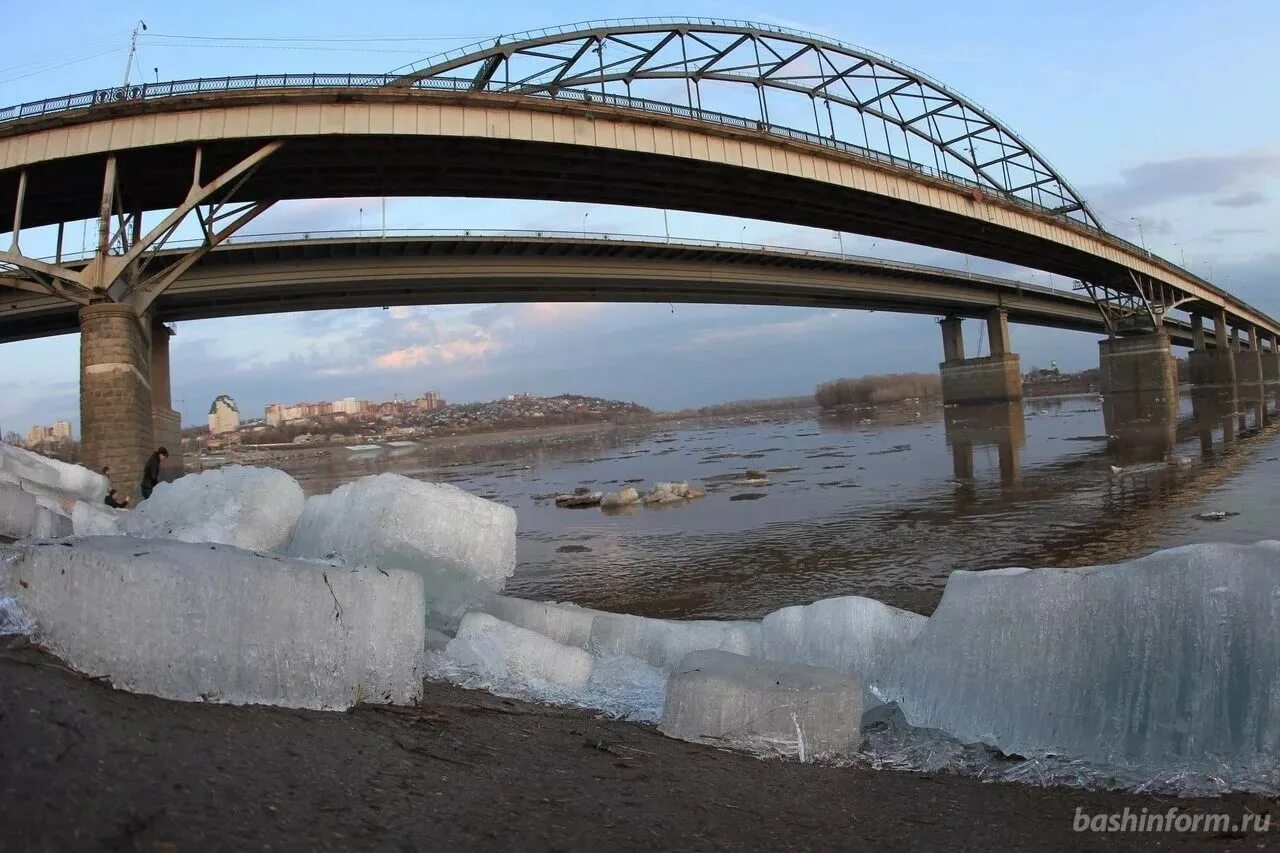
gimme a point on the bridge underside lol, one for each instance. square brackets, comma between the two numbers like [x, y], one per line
[298, 275]
[157, 177]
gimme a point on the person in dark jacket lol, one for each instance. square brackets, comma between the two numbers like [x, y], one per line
[151, 473]
[114, 500]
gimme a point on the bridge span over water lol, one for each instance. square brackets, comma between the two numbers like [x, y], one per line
[707, 115]
[273, 273]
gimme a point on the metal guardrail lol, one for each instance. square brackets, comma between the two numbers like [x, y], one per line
[317, 81]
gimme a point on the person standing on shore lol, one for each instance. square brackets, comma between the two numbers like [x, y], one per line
[151, 473]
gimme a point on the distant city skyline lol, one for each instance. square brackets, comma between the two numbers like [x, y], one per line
[1189, 167]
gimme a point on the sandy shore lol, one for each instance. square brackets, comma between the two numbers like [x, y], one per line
[84, 767]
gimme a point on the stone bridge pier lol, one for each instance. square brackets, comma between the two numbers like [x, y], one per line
[1140, 365]
[1217, 365]
[996, 378]
[125, 409]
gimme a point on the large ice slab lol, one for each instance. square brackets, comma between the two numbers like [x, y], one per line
[62, 477]
[763, 707]
[463, 546]
[663, 643]
[25, 515]
[1172, 660]
[568, 624]
[216, 623]
[512, 660]
[849, 634]
[252, 508]
[506, 652]
[94, 519]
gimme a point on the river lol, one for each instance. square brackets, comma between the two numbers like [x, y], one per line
[877, 503]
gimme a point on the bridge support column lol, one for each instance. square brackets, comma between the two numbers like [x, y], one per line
[166, 424]
[1248, 361]
[996, 378]
[1138, 364]
[1270, 360]
[115, 393]
[1214, 366]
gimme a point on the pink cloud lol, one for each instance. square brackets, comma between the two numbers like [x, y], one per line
[558, 313]
[474, 349]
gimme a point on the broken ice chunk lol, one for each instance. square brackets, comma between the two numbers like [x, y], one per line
[851, 634]
[766, 708]
[502, 652]
[565, 623]
[1169, 660]
[663, 643]
[463, 546]
[63, 478]
[215, 623]
[24, 515]
[253, 508]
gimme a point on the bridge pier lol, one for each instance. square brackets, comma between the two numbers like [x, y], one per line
[115, 393]
[1248, 361]
[1138, 364]
[166, 424]
[1212, 366]
[996, 378]
[1270, 359]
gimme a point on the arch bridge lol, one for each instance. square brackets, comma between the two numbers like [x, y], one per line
[708, 115]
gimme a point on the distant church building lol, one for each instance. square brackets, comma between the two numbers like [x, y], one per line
[224, 415]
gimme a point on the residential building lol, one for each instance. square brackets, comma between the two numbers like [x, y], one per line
[224, 415]
[41, 435]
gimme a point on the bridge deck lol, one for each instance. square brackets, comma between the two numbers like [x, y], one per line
[302, 274]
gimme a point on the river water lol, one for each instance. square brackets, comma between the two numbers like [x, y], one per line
[883, 504]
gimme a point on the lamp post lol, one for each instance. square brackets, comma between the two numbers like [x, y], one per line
[584, 223]
[839, 235]
[1141, 238]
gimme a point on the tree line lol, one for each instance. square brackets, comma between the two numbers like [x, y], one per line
[878, 390]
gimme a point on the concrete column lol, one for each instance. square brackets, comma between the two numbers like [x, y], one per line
[996, 378]
[166, 424]
[952, 339]
[1248, 361]
[1270, 360]
[1138, 363]
[998, 331]
[1197, 332]
[115, 393]
[1215, 366]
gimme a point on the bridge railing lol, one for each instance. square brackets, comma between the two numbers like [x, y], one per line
[279, 82]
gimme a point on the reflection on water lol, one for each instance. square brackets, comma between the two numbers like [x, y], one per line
[885, 505]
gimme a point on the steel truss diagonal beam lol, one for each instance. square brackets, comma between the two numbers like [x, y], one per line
[113, 267]
[894, 107]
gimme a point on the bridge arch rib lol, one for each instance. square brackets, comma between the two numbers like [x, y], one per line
[849, 95]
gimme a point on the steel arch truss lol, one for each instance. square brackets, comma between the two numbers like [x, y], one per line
[783, 78]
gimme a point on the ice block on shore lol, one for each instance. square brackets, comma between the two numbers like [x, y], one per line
[216, 623]
[663, 643]
[763, 707]
[1171, 660]
[463, 546]
[253, 508]
[565, 623]
[850, 634]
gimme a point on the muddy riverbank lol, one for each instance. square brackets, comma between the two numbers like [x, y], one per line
[84, 767]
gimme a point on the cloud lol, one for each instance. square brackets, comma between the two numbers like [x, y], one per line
[1248, 198]
[474, 349]
[1161, 181]
[557, 313]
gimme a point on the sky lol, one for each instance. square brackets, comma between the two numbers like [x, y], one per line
[1157, 112]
